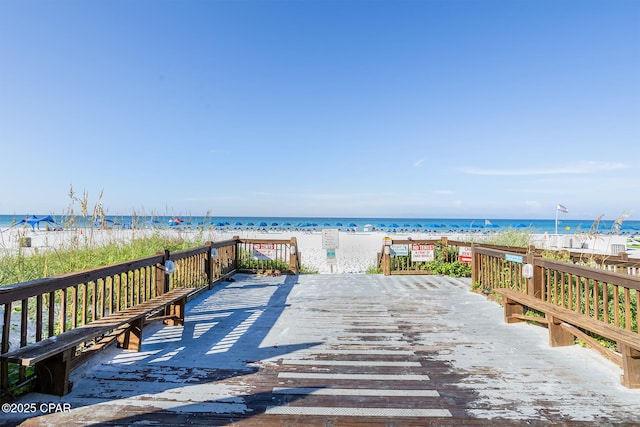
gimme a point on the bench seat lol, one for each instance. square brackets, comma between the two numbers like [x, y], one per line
[52, 357]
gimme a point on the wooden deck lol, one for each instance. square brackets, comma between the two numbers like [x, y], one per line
[349, 350]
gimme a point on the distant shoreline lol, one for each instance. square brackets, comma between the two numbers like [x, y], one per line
[357, 251]
[389, 225]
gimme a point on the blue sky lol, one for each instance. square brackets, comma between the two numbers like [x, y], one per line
[478, 108]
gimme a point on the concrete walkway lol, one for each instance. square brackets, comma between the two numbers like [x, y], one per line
[342, 350]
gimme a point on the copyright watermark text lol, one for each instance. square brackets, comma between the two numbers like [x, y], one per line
[35, 408]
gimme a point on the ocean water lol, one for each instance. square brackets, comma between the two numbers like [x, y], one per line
[391, 225]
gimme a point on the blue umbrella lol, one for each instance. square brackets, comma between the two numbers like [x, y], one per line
[250, 224]
[262, 224]
[417, 225]
[273, 224]
[287, 224]
[326, 224]
[380, 224]
[238, 223]
[394, 225]
[351, 224]
[338, 224]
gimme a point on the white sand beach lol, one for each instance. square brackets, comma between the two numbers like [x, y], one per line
[356, 252]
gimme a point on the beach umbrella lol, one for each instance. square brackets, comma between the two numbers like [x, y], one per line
[394, 225]
[287, 224]
[338, 224]
[175, 221]
[274, 224]
[417, 225]
[351, 224]
[326, 224]
[34, 220]
[238, 223]
[380, 225]
[250, 224]
[262, 224]
[406, 225]
[521, 225]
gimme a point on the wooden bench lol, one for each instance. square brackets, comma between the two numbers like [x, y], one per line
[54, 356]
[563, 327]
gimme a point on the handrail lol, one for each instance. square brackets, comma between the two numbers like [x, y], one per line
[622, 279]
[19, 291]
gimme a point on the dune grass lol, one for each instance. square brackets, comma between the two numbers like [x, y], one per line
[80, 254]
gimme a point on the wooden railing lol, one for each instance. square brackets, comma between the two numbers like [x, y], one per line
[598, 306]
[39, 309]
[260, 255]
[443, 250]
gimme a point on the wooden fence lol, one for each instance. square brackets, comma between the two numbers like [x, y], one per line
[39, 309]
[443, 251]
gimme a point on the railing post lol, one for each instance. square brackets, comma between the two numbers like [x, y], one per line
[162, 279]
[208, 264]
[236, 252]
[475, 265]
[386, 257]
[445, 248]
[534, 284]
[293, 256]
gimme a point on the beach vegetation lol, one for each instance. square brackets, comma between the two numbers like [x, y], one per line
[373, 269]
[511, 237]
[304, 269]
[79, 254]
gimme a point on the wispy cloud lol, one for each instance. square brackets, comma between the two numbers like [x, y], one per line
[575, 169]
[418, 163]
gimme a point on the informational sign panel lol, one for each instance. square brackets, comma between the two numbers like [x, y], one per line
[513, 258]
[422, 253]
[399, 250]
[331, 256]
[330, 238]
[465, 254]
[264, 251]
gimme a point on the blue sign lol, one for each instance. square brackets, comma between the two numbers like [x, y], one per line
[399, 250]
[513, 258]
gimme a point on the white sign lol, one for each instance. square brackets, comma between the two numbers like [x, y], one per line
[465, 254]
[422, 253]
[399, 250]
[330, 238]
[264, 251]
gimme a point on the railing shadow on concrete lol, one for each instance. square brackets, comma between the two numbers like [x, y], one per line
[222, 338]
